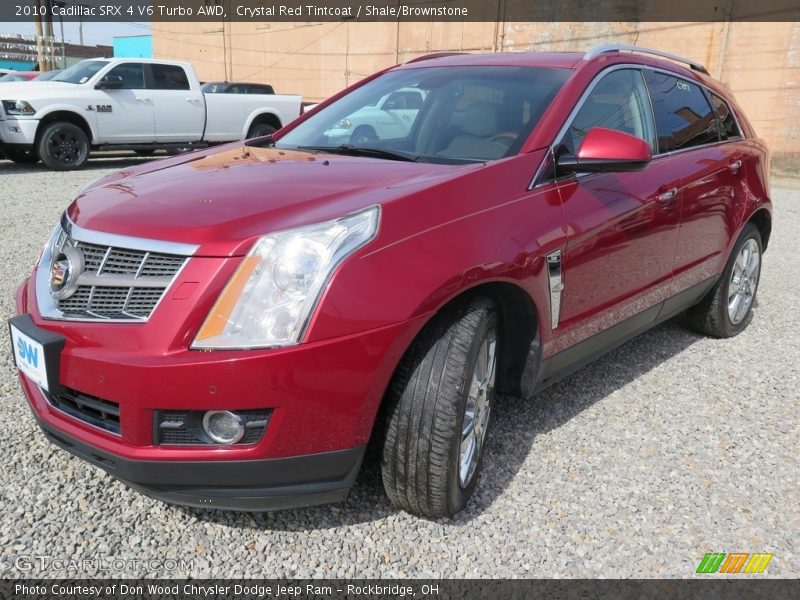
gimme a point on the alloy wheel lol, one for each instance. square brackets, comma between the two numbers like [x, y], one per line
[744, 281]
[64, 146]
[478, 408]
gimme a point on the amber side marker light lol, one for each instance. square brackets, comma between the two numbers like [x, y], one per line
[220, 314]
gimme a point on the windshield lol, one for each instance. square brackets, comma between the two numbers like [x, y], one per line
[446, 115]
[47, 76]
[81, 72]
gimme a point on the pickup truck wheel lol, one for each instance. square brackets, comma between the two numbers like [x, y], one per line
[260, 130]
[63, 146]
[439, 411]
[728, 307]
[364, 134]
[22, 157]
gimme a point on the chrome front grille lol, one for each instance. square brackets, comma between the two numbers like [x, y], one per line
[117, 282]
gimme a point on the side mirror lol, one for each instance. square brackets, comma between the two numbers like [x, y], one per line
[607, 150]
[110, 82]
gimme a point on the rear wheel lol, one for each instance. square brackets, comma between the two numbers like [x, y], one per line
[439, 411]
[63, 146]
[728, 308]
[260, 130]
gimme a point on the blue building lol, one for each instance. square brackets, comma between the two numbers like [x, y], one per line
[133, 46]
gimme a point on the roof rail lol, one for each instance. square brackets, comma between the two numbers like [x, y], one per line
[432, 56]
[607, 48]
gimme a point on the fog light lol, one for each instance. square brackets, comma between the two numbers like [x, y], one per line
[223, 426]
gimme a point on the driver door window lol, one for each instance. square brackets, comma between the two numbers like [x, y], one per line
[131, 75]
[619, 101]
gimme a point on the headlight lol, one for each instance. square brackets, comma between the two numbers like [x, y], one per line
[18, 108]
[271, 296]
[343, 124]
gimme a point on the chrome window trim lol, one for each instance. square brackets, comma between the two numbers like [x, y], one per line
[44, 301]
[535, 182]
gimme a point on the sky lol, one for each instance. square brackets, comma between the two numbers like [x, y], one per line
[93, 33]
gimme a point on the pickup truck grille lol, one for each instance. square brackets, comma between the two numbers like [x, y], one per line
[117, 283]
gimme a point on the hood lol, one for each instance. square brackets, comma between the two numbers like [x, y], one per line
[222, 199]
[25, 90]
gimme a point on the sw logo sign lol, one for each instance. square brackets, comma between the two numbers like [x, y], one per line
[29, 356]
[28, 353]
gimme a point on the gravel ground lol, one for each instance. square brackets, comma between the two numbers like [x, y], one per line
[669, 447]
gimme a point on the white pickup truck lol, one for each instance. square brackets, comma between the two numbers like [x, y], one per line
[134, 104]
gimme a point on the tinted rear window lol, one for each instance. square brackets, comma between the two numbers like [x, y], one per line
[726, 119]
[169, 77]
[684, 118]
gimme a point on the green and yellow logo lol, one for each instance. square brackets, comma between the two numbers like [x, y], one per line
[735, 562]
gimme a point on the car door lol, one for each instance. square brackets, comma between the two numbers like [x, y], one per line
[689, 134]
[123, 106]
[180, 112]
[622, 227]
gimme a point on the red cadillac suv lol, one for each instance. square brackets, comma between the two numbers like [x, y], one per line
[229, 328]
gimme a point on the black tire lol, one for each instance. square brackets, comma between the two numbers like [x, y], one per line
[260, 130]
[363, 134]
[22, 157]
[63, 146]
[711, 315]
[179, 150]
[145, 153]
[426, 404]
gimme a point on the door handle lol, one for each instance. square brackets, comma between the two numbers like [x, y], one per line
[735, 166]
[195, 100]
[142, 99]
[668, 196]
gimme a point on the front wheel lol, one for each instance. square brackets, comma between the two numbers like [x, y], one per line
[728, 307]
[439, 411]
[363, 134]
[63, 147]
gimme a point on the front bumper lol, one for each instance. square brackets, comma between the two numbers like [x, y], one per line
[244, 485]
[323, 398]
[18, 133]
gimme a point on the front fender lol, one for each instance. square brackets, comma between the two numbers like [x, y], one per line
[88, 117]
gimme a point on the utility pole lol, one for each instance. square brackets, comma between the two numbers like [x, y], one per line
[63, 46]
[39, 41]
[48, 32]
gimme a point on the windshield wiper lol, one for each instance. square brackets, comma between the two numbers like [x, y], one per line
[364, 151]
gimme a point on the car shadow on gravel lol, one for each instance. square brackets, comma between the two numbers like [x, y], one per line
[517, 423]
[115, 160]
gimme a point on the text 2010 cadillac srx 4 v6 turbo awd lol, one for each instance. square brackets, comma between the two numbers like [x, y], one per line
[231, 327]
